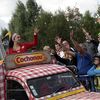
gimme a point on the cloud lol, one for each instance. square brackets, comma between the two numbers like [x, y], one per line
[7, 7]
[53, 5]
[88, 5]
[3, 25]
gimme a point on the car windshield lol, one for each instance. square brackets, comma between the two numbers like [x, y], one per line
[52, 84]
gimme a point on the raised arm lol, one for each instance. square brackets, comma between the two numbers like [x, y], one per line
[76, 44]
[34, 42]
[87, 34]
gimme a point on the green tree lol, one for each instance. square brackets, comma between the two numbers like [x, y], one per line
[18, 22]
[32, 12]
[57, 26]
[74, 18]
[98, 11]
[89, 23]
[42, 23]
[27, 17]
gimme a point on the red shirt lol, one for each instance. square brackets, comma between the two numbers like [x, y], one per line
[24, 46]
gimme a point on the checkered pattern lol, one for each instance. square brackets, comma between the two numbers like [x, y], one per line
[2, 83]
[36, 71]
[84, 96]
[22, 74]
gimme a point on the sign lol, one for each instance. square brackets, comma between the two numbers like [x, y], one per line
[25, 59]
[30, 58]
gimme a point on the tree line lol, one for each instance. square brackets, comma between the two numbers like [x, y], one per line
[26, 17]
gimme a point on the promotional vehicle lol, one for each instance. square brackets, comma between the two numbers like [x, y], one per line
[30, 76]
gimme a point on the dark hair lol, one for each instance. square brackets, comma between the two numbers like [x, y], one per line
[11, 43]
[96, 56]
[57, 44]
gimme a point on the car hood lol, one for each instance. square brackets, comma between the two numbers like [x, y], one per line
[83, 96]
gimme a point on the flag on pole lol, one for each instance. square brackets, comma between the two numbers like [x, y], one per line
[6, 40]
[7, 35]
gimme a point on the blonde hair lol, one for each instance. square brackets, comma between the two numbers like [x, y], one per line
[46, 48]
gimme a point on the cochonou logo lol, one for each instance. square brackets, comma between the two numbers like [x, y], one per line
[25, 59]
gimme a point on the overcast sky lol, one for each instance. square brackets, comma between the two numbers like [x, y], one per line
[7, 7]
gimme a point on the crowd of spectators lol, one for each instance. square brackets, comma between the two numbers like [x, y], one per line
[82, 58]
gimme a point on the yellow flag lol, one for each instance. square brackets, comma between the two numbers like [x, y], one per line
[8, 35]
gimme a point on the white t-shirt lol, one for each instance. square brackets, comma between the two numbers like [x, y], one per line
[99, 48]
[62, 55]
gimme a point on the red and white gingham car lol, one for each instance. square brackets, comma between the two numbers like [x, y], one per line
[39, 80]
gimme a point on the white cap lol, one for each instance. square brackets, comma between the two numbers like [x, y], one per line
[13, 36]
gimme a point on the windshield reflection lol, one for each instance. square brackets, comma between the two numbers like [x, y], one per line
[52, 84]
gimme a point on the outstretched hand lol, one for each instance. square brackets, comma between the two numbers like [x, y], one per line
[36, 30]
[83, 30]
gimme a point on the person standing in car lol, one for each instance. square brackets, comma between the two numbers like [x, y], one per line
[16, 47]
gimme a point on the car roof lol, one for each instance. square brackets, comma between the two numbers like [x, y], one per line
[35, 71]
